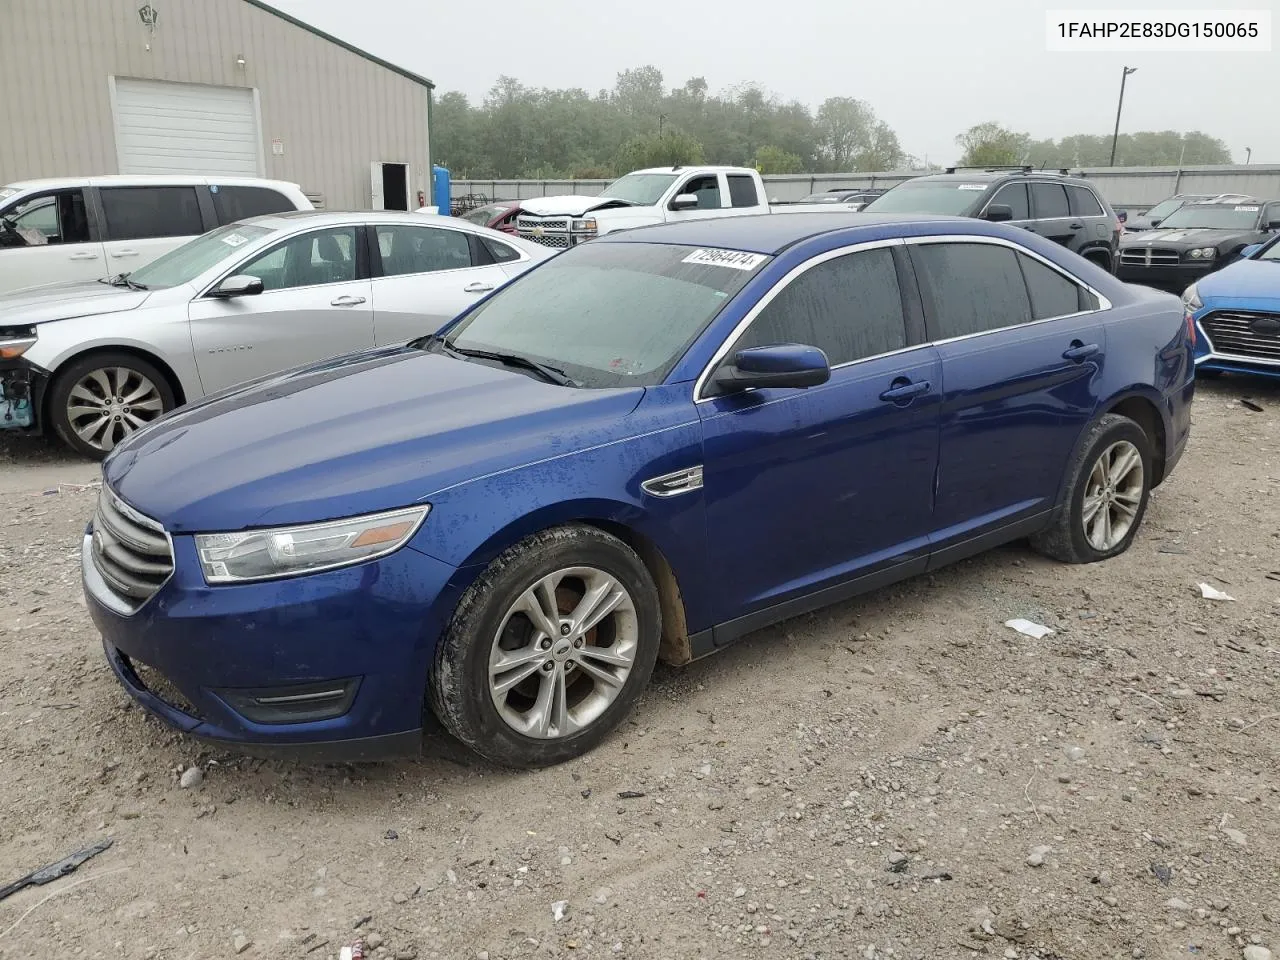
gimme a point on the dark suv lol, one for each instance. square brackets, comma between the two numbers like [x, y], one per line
[1067, 210]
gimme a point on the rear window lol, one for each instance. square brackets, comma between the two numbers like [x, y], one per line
[232, 203]
[138, 213]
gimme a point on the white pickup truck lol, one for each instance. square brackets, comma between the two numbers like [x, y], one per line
[656, 195]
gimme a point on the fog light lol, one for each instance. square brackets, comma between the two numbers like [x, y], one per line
[297, 703]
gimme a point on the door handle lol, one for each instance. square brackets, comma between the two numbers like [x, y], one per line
[1080, 351]
[124, 253]
[83, 256]
[477, 287]
[904, 390]
[1076, 225]
[346, 301]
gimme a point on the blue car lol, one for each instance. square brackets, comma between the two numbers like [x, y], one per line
[1237, 311]
[644, 448]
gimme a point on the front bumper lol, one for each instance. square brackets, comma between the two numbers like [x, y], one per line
[1173, 278]
[193, 655]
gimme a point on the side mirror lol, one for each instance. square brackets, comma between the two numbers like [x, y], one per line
[780, 365]
[1273, 224]
[241, 285]
[998, 213]
[1156, 222]
[1250, 250]
[686, 201]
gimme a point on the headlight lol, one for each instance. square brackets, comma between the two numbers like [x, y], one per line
[16, 347]
[290, 551]
[585, 226]
[1203, 253]
[1191, 298]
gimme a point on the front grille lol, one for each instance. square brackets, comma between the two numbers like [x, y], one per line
[524, 224]
[130, 552]
[157, 684]
[554, 240]
[1149, 256]
[1241, 334]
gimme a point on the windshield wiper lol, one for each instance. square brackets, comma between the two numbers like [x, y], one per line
[548, 373]
[122, 280]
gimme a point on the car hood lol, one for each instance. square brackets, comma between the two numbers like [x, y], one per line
[65, 301]
[1183, 237]
[350, 436]
[1242, 280]
[571, 206]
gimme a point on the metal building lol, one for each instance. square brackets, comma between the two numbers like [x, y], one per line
[229, 87]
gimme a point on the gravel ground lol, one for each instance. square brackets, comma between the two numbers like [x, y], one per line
[897, 777]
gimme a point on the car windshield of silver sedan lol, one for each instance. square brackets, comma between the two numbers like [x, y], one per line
[604, 314]
[196, 256]
[1213, 216]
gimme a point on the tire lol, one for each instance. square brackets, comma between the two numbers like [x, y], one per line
[490, 629]
[1067, 538]
[127, 376]
[1102, 260]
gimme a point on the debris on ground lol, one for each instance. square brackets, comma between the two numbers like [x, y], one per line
[1213, 593]
[1029, 628]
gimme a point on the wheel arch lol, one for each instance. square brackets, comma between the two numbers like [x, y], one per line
[1096, 251]
[620, 520]
[165, 368]
[1144, 410]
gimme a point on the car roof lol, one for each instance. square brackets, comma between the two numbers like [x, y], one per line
[129, 180]
[991, 176]
[769, 233]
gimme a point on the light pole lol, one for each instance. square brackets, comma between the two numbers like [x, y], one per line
[1119, 106]
[1248, 155]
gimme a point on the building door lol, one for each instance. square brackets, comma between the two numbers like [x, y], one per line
[190, 128]
[390, 186]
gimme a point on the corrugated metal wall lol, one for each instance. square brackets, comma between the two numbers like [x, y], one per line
[333, 111]
[1129, 188]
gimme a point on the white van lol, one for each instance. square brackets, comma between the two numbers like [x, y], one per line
[87, 228]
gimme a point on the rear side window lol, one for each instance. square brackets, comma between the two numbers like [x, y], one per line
[850, 307]
[500, 252]
[742, 191]
[408, 250]
[970, 288]
[240, 203]
[1052, 294]
[1015, 195]
[1050, 200]
[138, 213]
[1083, 202]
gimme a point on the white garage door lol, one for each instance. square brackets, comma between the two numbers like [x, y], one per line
[186, 128]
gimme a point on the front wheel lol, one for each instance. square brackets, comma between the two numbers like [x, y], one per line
[1106, 496]
[548, 649]
[98, 400]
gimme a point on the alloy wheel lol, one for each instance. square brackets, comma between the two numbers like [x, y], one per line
[107, 404]
[563, 652]
[1112, 496]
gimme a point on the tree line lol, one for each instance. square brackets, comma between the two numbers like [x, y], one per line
[521, 132]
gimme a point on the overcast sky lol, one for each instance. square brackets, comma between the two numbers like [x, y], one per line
[930, 68]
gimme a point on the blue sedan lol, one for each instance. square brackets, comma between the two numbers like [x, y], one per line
[644, 448]
[1237, 310]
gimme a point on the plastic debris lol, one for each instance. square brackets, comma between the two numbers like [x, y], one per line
[1213, 593]
[559, 910]
[630, 794]
[55, 871]
[1029, 628]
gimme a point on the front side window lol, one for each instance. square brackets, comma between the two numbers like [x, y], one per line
[609, 314]
[194, 257]
[232, 203]
[1050, 201]
[141, 213]
[408, 250]
[742, 191]
[1015, 196]
[970, 288]
[47, 218]
[641, 189]
[308, 260]
[850, 307]
[1214, 216]
[706, 189]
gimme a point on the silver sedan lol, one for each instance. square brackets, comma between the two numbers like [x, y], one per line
[94, 361]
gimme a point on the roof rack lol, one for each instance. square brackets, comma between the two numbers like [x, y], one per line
[1020, 167]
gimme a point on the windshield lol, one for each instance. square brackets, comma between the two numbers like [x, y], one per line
[642, 189]
[1271, 253]
[1163, 209]
[609, 314]
[822, 198]
[946, 197]
[196, 256]
[482, 215]
[6, 193]
[1214, 216]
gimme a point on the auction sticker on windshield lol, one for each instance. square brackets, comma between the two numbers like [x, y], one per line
[1246, 210]
[234, 239]
[736, 259]
[971, 186]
